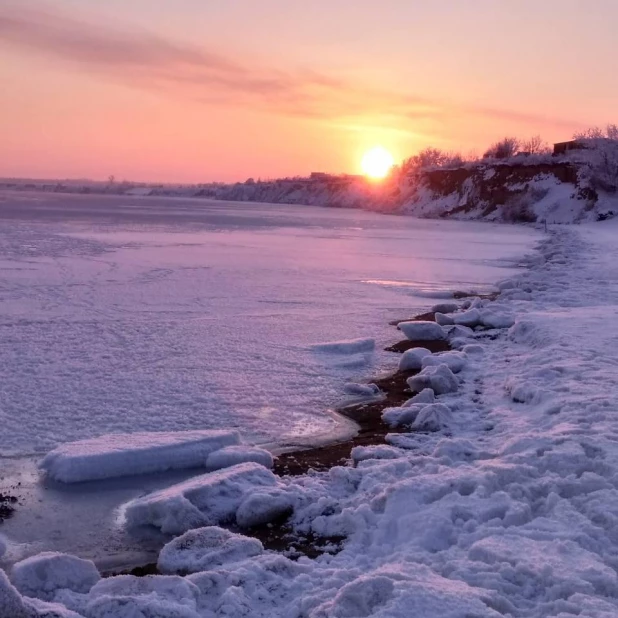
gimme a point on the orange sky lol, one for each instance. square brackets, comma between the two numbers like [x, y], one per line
[191, 91]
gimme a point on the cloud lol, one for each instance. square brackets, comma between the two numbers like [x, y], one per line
[153, 62]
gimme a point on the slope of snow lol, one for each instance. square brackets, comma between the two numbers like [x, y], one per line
[117, 455]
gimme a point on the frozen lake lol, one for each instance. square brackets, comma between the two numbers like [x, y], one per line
[124, 314]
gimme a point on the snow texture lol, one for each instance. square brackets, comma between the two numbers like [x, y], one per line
[205, 500]
[455, 361]
[439, 378]
[41, 576]
[232, 455]
[412, 360]
[137, 453]
[205, 548]
[422, 331]
[139, 314]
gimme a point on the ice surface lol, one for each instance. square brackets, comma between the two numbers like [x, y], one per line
[232, 455]
[144, 314]
[355, 346]
[137, 453]
[422, 331]
[205, 500]
[205, 548]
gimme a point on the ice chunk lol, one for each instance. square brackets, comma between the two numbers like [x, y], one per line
[406, 415]
[422, 331]
[11, 602]
[492, 319]
[455, 361]
[352, 346]
[473, 348]
[445, 308]
[425, 396]
[153, 596]
[361, 390]
[205, 500]
[205, 548]
[117, 455]
[264, 506]
[439, 378]
[2, 546]
[232, 455]
[433, 417]
[443, 319]
[459, 332]
[470, 318]
[412, 360]
[42, 575]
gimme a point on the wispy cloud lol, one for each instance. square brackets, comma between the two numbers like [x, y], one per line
[153, 62]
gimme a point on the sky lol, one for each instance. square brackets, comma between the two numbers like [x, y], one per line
[203, 90]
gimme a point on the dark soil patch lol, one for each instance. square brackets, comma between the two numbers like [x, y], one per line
[491, 296]
[7, 506]
[281, 538]
[423, 317]
[433, 346]
[372, 430]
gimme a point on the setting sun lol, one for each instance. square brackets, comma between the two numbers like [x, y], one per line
[377, 162]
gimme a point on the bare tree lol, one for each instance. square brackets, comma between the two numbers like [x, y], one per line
[535, 145]
[504, 149]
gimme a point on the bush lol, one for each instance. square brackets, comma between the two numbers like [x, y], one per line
[609, 132]
[535, 146]
[504, 149]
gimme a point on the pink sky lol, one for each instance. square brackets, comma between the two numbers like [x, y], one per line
[191, 91]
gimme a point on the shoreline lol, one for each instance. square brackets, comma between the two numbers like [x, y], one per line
[359, 424]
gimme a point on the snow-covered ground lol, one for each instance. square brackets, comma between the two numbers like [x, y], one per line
[511, 509]
[124, 314]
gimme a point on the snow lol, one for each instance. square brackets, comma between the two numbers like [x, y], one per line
[205, 548]
[205, 500]
[443, 320]
[413, 359]
[434, 417]
[494, 508]
[425, 396]
[469, 318]
[422, 331]
[41, 576]
[127, 596]
[232, 455]
[137, 314]
[455, 361]
[438, 377]
[136, 453]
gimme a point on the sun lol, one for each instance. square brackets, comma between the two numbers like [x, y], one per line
[377, 162]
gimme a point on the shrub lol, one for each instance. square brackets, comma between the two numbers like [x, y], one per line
[535, 145]
[504, 149]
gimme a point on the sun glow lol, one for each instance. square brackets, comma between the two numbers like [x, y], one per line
[377, 162]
